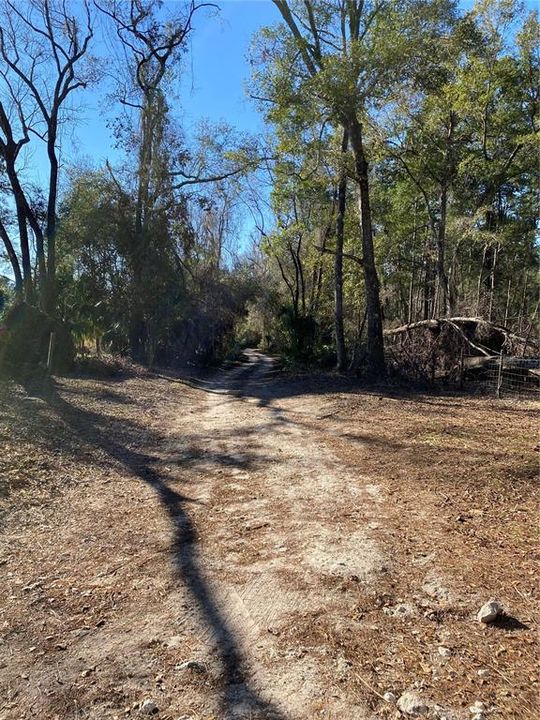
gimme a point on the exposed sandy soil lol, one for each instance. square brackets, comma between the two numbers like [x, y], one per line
[306, 544]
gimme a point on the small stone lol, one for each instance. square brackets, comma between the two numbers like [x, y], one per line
[191, 665]
[478, 710]
[440, 713]
[389, 697]
[149, 707]
[490, 611]
[401, 610]
[411, 704]
[478, 707]
[483, 672]
[444, 651]
[344, 666]
[175, 641]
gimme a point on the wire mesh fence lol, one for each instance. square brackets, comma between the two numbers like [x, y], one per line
[503, 375]
[469, 353]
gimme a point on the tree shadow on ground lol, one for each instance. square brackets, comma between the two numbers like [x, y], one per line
[259, 376]
[117, 438]
[258, 380]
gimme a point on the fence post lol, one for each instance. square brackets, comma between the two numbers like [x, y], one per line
[499, 375]
[50, 354]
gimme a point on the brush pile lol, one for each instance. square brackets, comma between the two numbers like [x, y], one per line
[452, 349]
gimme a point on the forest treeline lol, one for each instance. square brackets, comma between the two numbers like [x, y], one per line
[397, 181]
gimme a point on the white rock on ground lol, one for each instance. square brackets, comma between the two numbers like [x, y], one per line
[400, 610]
[444, 651]
[412, 704]
[490, 611]
[389, 697]
[478, 710]
[194, 665]
[149, 707]
[441, 713]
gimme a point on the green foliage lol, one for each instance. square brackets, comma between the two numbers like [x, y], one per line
[24, 343]
[300, 333]
[6, 295]
[187, 305]
[93, 237]
[449, 104]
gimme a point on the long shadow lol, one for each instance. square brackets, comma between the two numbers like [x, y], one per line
[259, 380]
[271, 385]
[112, 436]
[256, 380]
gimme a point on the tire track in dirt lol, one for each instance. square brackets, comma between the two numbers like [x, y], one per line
[284, 530]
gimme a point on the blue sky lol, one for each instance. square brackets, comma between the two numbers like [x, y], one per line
[219, 68]
[211, 85]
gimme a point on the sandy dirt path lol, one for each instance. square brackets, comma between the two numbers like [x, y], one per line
[283, 506]
[178, 567]
[258, 546]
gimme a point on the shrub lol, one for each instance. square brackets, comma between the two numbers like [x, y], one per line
[24, 343]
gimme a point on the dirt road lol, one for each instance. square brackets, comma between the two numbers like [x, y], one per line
[283, 506]
[256, 546]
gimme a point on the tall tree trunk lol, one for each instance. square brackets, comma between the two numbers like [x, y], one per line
[338, 257]
[523, 304]
[446, 182]
[49, 291]
[452, 282]
[428, 286]
[356, 355]
[138, 330]
[442, 279]
[410, 308]
[492, 281]
[319, 270]
[375, 362]
[40, 256]
[25, 255]
[21, 209]
[296, 290]
[489, 261]
[14, 260]
[143, 172]
[480, 278]
[301, 276]
[507, 306]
